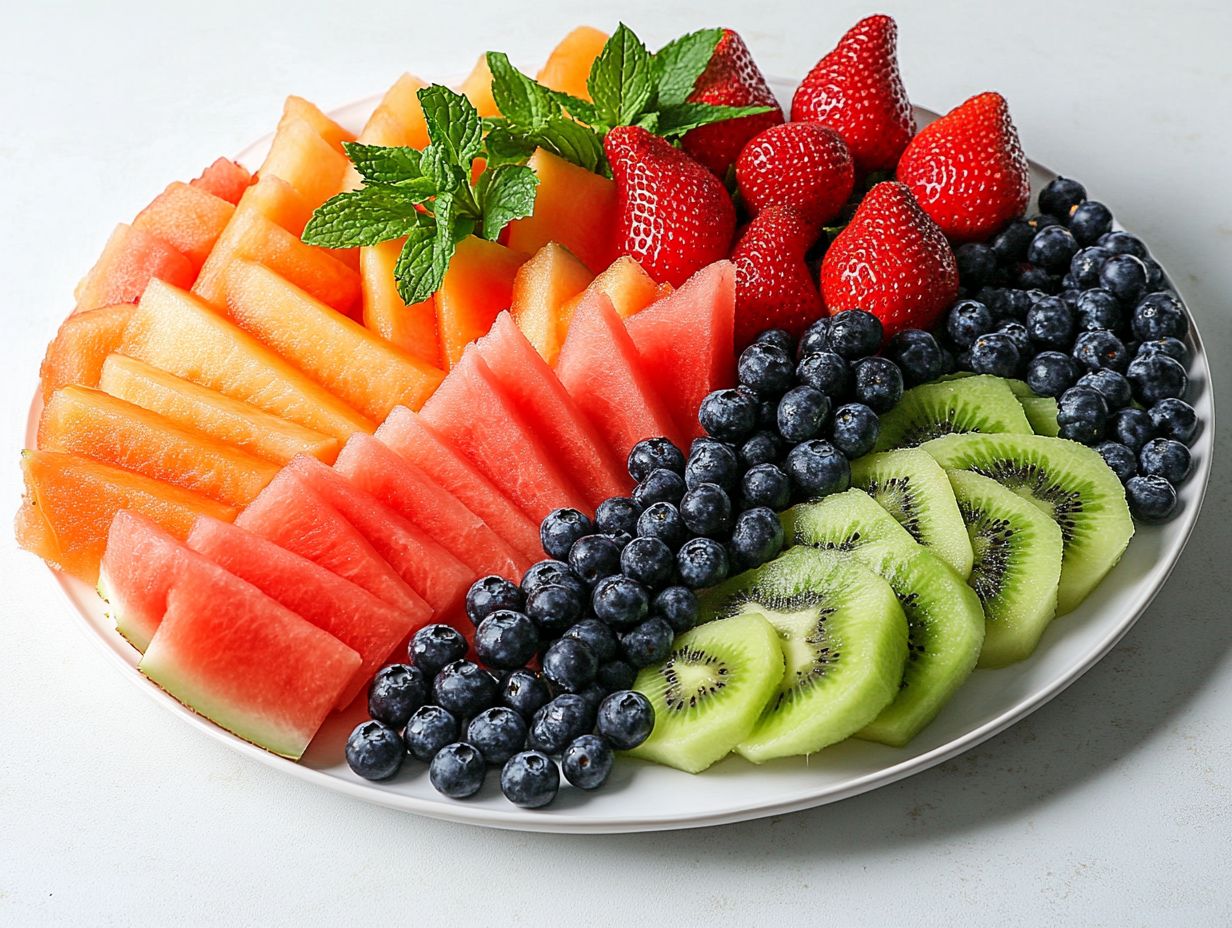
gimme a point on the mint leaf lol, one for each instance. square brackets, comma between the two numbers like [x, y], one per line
[573, 142]
[579, 109]
[621, 80]
[453, 125]
[504, 146]
[391, 166]
[679, 64]
[429, 247]
[367, 216]
[519, 98]
[678, 119]
[505, 193]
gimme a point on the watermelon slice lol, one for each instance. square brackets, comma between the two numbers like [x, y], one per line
[600, 367]
[431, 571]
[412, 439]
[541, 398]
[80, 347]
[367, 625]
[487, 428]
[224, 178]
[686, 341]
[292, 515]
[130, 260]
[188, 219]
[403, 487]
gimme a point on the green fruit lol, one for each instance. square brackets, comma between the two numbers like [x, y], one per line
[966, 404]
[1041, 413]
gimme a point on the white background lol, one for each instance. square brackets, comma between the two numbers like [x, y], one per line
[1111, 806]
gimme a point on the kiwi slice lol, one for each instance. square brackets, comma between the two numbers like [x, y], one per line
[1041, 411]
[945, 624]
[913, 488]
[1068, 481]
[844, 638]
[710, 691]
[1017, 565]
[979, 403]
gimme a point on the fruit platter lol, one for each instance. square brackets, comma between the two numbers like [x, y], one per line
[645, 443]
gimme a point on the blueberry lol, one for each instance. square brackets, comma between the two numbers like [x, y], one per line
[706, 510]
[662, 521]
[1082, 415]
[801, 413]
[551, 571]
[1151, 499]
[434, 646]
[824, 371]
[1155, 377]
[712, 461]
[594, 557]
[648, 643]
[764, 447]
[507, 639]
[1100, 349]
[530, 780]
[1010, 244]
[1119, 458]
[490, 593]
[1052, 249]
[553, 607]
[654, 453]
[618, 514]
[498, 733]
[1051, 373]
[1172, 347]
[765, 369]
[995, 353]
[977, 263]
[560, 529]
[1089, 221]
[1098, 309]
[854, 430]
[854, 334]
[524, 691]
[1159, 315]
[702, 562]
[917, 355]
[457, 770]
[779, 338]
[1155, 279]
[616, 675]
[625, 719]
[1020, 337]
[620, 601]
[815, 338]
[587, 762]
[1174, 418]
[597, 636]
[1163, 457]
[559, 722]
[1123, 243]
[570, 665]
[648, 561]
[1013, 304]
[678, 607]
[816, 469]
[428, 730]
[1061, 195]
[967, 321]
[765, 485]
[374, 751]
[396, 692]
[464, 688]
[1131, 427]
[757, 537]
[1124, 276]
[1036, 278]
[879, 383]
[1114, 387]
[1050, 322]
[660, 485]
[1087, 264]
[729, 415]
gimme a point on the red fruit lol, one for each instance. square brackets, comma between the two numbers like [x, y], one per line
[673, 216]
[803, 164]
[857, 90]
[774, 287]
[731, 79]
[967, 169]
[891, 260]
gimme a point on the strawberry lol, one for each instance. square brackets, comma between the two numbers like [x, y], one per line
[891, 260]
[967, 169]
[774, 287]
[801, 163]
[730, 79]
[857, 90]
[673, 216]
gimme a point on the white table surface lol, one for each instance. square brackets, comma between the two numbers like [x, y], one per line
[1110, 806]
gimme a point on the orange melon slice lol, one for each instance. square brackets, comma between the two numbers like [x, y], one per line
[70, 501]
[401, 103]
[629, 288]
[366, 372]
[130, 260]
[541, 287]
[228, 420]
[411, 328]
[80, 347]
[300, 156]
[299, 108]
[573, 206]
[478, 88]
[476, 288]
[188, 219]
[568, 66]
[175, 331]
[278, 202]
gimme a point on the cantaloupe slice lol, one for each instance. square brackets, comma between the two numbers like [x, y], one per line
[542, 286]
[568, 66]
[188, 219]
[299, 108]
[411, 328]
[478, 88]
[80, 347]
[70, 501]
[573, 206]
[278, 202]
[476, 288]
[175, 331]
[224, 178]
[354, 364]
[305, 160]
[228, 420]
[401, 103]
[130, 260]
[629, 288]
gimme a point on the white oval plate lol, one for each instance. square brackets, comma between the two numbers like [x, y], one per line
[645, 797]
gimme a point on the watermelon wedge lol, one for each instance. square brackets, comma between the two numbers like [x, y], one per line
[603, 372]
[375, 469]
[367, 625]
[686, 341]
[224, 178]
[130, 260]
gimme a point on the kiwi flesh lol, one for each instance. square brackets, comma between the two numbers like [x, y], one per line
[913, 488]
[1069, 482]
[979, 403]
[1041, 411]
[945, 624]
[1017, 565]
[710, 691]
[844, 638]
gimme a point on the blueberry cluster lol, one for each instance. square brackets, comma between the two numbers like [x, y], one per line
[1084, 314]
